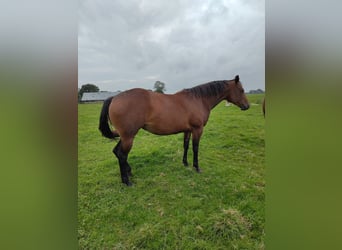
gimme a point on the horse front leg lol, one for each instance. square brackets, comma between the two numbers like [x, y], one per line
[186, 147]
[196, 136]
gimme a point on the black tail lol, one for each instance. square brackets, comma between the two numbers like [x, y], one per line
[104, 126]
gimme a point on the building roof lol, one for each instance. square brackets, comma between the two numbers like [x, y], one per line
[97, 96]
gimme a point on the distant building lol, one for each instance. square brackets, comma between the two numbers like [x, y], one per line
[258, 91]
[97, 96]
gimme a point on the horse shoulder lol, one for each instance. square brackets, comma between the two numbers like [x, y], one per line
[197, 113]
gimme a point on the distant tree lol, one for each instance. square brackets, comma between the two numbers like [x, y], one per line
[87, 88]
[159, 87]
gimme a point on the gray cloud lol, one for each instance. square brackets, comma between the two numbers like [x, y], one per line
[126, 44]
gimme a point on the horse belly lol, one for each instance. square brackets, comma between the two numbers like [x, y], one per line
[166, 125]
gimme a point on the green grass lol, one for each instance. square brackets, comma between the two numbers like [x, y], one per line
[171, 206]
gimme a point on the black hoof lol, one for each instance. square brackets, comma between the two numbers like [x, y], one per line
[128, 184]
[198, 170]
[185, 164]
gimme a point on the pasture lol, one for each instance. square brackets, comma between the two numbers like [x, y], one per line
[171, 206]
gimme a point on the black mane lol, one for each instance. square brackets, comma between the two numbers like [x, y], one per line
[213, 88]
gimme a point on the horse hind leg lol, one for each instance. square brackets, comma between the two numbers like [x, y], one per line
[121, 151]
[115, 134]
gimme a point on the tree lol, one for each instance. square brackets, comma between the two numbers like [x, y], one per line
[87, 88]
[159, 87]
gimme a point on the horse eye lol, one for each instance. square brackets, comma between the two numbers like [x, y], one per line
[242, 90]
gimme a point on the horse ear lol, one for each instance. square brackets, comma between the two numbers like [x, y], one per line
[237, 79]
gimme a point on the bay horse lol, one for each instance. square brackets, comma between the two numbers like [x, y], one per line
[186, 111]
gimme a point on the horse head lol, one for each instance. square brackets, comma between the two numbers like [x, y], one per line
[236, 94]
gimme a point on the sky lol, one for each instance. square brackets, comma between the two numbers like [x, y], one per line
[127, 44]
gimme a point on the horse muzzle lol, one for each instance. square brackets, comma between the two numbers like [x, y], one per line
[244, 107]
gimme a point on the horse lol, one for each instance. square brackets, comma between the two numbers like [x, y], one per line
[186, 111]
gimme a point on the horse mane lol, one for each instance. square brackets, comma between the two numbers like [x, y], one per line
[213, 88]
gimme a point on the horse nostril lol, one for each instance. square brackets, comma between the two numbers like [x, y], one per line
[245, 107]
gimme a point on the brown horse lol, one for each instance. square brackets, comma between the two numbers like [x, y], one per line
[186, 111]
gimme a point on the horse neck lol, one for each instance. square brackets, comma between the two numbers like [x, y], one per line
[208, 101]
[212, 101]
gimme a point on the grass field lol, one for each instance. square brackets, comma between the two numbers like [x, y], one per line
[171, 206]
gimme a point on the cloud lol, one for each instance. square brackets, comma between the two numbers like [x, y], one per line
[182, 43]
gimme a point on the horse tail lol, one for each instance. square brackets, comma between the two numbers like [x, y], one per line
[104, 126]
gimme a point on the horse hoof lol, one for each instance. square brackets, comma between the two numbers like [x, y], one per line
[198, 170]
[185, 164]
[127, 182]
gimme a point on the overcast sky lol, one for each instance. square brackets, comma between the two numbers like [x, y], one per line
[124, 44]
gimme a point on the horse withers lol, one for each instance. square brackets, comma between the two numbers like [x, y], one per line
[186, 111]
